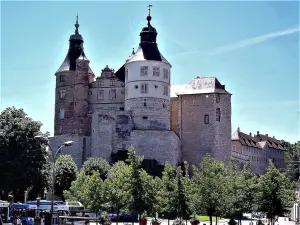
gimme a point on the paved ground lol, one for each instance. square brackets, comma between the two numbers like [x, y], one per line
[225, 222]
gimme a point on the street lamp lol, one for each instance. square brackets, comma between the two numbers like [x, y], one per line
[54, 158]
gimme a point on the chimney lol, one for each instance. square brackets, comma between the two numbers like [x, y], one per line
[257, 132]
[250, 134]
[238, 129]
[267, 135]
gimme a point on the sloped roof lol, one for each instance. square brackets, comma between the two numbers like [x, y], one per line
[256, 141]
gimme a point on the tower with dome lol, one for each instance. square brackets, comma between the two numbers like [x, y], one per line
[136, 106]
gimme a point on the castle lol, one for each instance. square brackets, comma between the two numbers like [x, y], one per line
[136, 105]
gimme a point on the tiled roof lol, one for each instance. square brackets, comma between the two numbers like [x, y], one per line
[256, 141]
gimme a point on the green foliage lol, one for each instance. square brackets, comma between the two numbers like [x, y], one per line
[292, 160]
[276, 195]
[92, 165]
[21, 157]
[65, 173]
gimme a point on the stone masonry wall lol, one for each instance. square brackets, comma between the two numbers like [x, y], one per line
[160, 145]
[149, 113]
[79, 149]
[199, 138]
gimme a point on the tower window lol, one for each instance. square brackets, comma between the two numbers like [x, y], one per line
[99, 83]
[126, 74]
[166, 90]
[100, 94]
[156, 71]
[145, 103]
[112, 82]
[206, 119]
[62, 79]
[166, 73]
[145, 117]
[112, 94]
[136, 86]
[155, 86]
[144, 70]
[62, 94]
[218, 114]
[61, 114]
[144, 88]
[164, 105]
[218, 98]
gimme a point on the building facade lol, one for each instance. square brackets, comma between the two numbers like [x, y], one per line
[258, 149]
[137, 106]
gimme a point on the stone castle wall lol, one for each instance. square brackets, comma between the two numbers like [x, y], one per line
[80, 149]
[150, 113]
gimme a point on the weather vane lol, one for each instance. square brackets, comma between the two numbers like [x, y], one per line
[149, 7]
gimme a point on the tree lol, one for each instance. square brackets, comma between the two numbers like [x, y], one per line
[92, 165]
[117, 185]
[275, 193]
[95, 192]
[21, 156]
[141, 188]
[211, 186]
[79, 189]
[240, 191]
[65, 173]
[292, 160]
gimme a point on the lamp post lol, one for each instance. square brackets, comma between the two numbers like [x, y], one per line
[54, 158]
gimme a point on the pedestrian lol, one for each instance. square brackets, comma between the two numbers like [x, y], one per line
[1, 222]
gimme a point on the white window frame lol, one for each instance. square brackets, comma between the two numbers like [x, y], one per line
[166, 73]
[144, 71]
[144, 88]
[100, 94]
[62, 94]
[166, 90]
[112, 94]
[112, 82]
[61, 114]
[156, 71]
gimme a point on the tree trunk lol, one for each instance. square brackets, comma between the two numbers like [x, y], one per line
[168, 221]
[216, 219]
[117, 218]
[210, 219]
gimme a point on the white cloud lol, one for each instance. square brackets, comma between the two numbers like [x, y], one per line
[246, 43]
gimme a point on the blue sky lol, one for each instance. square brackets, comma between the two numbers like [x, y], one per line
[204, 38]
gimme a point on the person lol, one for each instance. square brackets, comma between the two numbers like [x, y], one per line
[1, 221]
[19, 222]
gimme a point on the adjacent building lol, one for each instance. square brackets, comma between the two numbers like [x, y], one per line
[258, 149]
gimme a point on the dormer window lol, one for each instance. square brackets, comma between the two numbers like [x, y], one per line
[156, 71]
[144, 70]
[62, 94]
[166, 73]
[112, 82]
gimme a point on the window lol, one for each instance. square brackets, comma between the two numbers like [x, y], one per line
[218, 114]
[99, 83]
[100, 94]
[136, 86]
[206, 119]
[122, 109]
[62, 78]
[233, 147]
[155, 86]
[166, 90]
[62, 94]
[112, 82]
[144, 70]
[145, 117]
[166, 73]
[144, 88]
[156, 71]
[122, 92]
[126, 74]
[218, 98]
[145, 103]
[61, 113]
[112, 94]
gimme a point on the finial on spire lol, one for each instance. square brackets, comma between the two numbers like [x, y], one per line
[149, 16]
[76, 25]
[133, 51]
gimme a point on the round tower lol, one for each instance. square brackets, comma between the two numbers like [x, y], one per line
[72, 79]
[147, 83]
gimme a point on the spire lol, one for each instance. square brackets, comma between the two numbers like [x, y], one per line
[148, 33]
[76, 25]
[133, 51]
